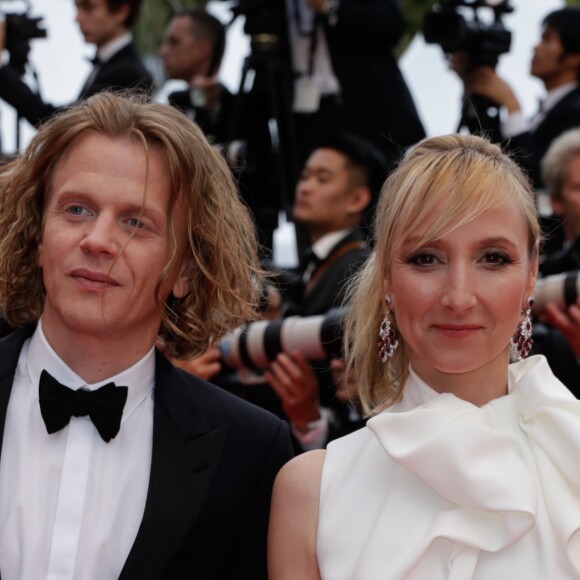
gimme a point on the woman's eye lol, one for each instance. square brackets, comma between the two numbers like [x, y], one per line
[497, 258]
[422, 259]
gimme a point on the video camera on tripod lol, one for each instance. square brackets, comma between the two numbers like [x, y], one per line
[265, 21]
[267, 149]
[482, 41]
[21, 28]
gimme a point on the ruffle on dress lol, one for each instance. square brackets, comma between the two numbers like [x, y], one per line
[487, 493]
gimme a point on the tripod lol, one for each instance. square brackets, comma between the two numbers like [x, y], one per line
[480, 116]
[263, 116]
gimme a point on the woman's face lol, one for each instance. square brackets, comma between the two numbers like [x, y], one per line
[457, 300]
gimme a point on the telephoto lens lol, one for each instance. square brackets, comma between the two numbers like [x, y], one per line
[256, 344]
[562, 289]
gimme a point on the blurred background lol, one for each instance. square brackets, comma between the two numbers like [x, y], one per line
[437, 91]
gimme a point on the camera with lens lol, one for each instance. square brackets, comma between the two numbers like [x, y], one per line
[21, 28]
[256, 344]
[265, 21]
[562, 289]
[483, 41]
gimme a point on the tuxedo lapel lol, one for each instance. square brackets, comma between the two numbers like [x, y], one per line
[10, 347]
[185, 457]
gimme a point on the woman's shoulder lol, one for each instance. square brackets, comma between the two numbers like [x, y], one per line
[302, 474]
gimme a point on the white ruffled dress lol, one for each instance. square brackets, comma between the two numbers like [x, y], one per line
[437, 488]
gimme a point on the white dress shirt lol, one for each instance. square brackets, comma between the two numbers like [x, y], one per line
[310, 85]
[517, 123]
[71, 504]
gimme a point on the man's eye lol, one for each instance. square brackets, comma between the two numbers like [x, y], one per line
[135, 223]
[76, 210]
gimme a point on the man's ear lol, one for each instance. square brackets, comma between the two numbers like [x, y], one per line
[181, 285]
[573, 60]
[557, 206]
[121, 12]
[359, 199]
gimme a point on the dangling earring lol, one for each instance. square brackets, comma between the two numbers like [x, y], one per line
[521, 341]
[388, 342]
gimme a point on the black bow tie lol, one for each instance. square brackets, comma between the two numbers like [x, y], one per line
[59, 403]
[310, 258]
[95, 60]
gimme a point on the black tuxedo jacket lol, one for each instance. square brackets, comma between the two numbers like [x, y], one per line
[124, 70]
[328, 289]
[376, 99]
[213, 464]
[217, 129]
[530, 147]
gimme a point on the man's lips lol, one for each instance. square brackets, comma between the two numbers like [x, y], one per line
[93, 280]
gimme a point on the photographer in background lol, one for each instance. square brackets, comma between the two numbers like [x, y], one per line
[117, 63]
[192, 51]
[558, 333]
[347, 77]
[335, 196]
[556, 62]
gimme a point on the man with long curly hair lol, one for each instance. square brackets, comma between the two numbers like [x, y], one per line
[120, 228]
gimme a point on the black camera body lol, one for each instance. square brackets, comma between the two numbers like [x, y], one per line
[263, 17]
[484, 42]
[21, 28]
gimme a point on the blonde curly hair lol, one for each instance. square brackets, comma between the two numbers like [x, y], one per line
[221, 249]
[444, 181]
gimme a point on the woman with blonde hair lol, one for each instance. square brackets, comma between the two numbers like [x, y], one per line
[467, 467]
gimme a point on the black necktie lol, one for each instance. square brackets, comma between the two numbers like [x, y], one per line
[59, 403]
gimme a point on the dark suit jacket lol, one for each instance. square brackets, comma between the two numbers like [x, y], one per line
[217, 128]
[213, 464]
[123, 70]
[376, 99]
[328, 289]
[530, 147]
[564, 260]
[548, 340]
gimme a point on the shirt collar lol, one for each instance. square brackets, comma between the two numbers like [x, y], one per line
[323, 246]
[111, 48]
[557, 94]
[139, 378]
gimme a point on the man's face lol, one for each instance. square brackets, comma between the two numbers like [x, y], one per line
[549, 63]
[568, 206]
[323, 200]
[98, 24]
[182, 51]
[105, 242]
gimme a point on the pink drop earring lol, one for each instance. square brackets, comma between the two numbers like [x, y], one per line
[387, 343]
[521, 341]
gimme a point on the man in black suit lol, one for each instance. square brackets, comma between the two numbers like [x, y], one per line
[556, 62]
[347, 77]
[117, 63]
[192, 51]
[121, 227]
[334, 198]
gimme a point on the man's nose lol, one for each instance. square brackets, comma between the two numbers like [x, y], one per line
[101, 236]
